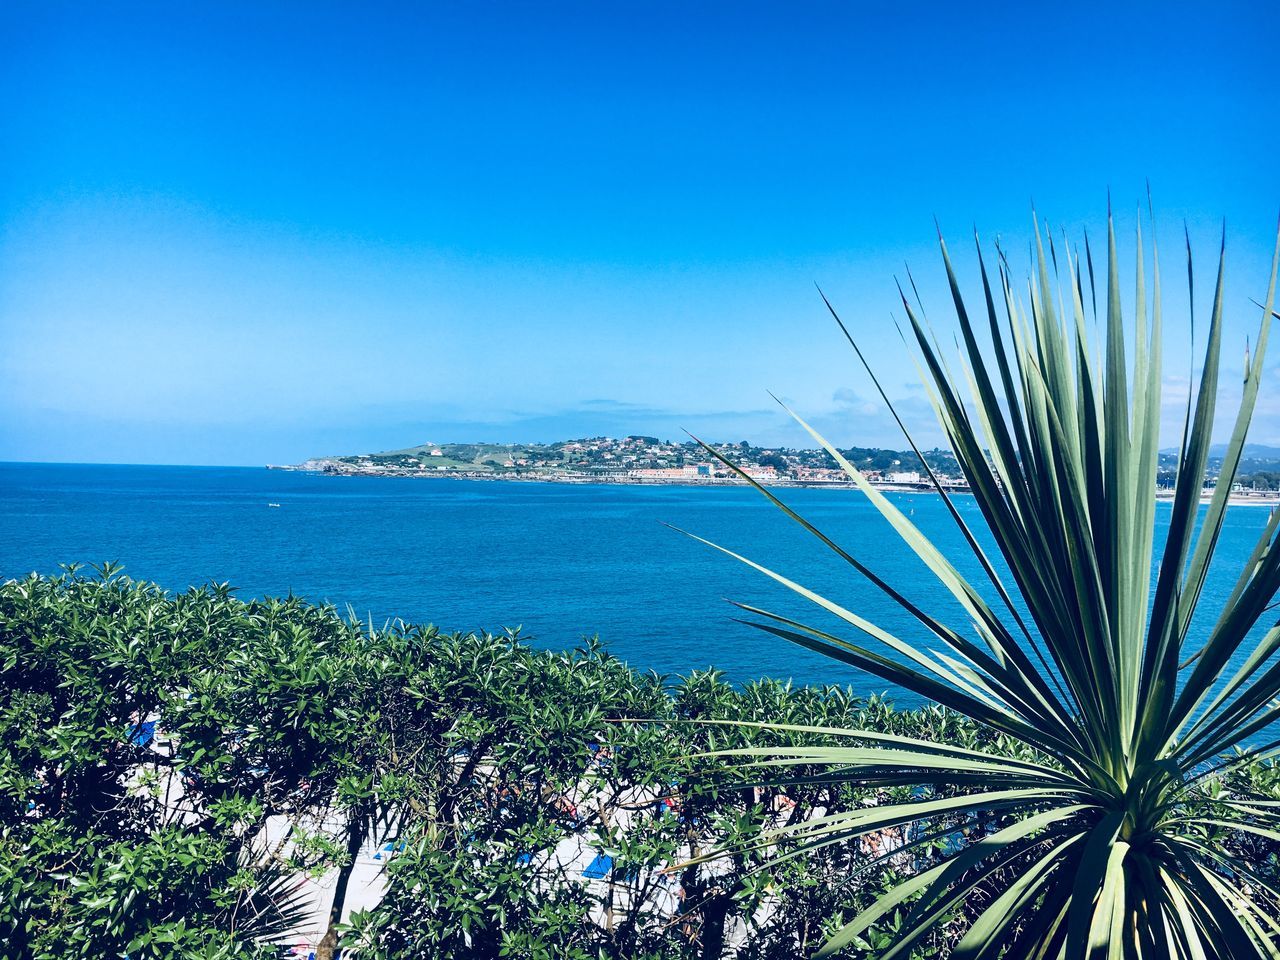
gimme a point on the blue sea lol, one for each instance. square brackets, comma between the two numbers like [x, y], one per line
[561, 562]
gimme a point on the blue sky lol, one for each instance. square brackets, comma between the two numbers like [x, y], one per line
[249, 233]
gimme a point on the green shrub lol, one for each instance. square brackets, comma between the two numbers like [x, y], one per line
[457, 748]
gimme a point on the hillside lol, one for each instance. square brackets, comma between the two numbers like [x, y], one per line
[603, 456]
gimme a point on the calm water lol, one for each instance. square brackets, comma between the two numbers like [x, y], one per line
[560, 561]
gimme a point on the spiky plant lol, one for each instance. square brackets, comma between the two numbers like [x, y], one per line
[1110, 837]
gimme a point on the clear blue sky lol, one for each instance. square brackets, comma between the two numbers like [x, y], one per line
[253, 232]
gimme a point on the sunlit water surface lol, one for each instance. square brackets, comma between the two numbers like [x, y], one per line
[560, 561]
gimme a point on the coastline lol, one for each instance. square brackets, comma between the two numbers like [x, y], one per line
[1239, 499]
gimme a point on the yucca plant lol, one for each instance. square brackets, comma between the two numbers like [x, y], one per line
[1110, 834]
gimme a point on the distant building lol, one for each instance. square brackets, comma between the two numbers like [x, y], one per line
[665, 473]
[904, 476]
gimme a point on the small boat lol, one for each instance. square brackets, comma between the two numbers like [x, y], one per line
[273, 504]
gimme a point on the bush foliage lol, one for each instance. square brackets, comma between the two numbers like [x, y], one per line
[474, 754]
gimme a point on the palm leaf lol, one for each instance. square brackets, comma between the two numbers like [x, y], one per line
[1141, 734]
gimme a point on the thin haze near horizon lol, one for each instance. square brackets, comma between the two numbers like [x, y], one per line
[251, 233]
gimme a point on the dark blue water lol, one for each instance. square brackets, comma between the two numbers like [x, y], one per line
[560, 561]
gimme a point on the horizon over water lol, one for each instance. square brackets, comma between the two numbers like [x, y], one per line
[561, 561]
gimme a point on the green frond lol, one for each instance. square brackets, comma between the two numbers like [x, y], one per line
[1116, 835]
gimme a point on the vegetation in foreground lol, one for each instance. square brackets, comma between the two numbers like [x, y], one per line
[474, 756]
[1105, 845]
[455, 748]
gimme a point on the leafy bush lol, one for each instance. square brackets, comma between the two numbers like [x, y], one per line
[475, 756]
[458, 749]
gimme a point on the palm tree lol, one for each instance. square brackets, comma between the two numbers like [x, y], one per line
[1109, 834]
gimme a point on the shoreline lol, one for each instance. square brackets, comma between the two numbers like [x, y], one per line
[616, 481]
[1246, 499]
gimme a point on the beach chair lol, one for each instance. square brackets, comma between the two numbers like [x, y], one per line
[143, 733]
[598, 868]
[388, 849]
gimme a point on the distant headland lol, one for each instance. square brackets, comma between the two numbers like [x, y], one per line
[639, 459]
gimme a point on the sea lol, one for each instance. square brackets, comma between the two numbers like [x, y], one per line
[558, 562]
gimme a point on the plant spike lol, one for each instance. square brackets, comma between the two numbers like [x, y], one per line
[1117, 841]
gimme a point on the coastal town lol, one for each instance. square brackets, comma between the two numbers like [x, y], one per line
[638, 459]
[643, 459]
